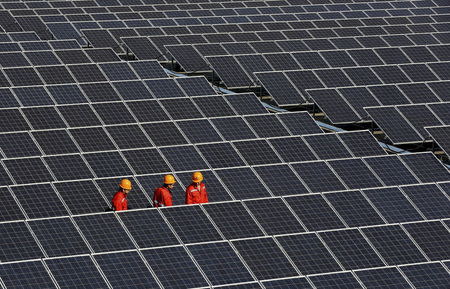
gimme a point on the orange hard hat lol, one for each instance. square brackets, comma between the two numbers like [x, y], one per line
[169, 180]
[125, 184]
[197, 177]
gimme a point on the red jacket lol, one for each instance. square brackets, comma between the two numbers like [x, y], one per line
[119, 202]
[196, 194]
[162, 197]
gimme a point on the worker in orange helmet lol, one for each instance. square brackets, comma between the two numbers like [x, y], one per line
[196, 192]
[162, 197]
[119, 201]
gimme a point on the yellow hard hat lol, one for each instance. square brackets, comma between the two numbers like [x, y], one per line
[197, 177]
[125, 184]
[169, 180]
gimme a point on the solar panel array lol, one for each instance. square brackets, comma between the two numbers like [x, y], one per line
[84, 102]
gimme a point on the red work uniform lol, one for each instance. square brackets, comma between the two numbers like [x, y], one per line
[196, 194]
[162, 197]
[119, 202]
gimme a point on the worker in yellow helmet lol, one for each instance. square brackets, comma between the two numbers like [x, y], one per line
[196, 192]
[162, 197]
[119, 201]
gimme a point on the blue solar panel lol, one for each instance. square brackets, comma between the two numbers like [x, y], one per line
[26, 275]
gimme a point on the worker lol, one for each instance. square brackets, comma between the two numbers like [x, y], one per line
[162, 197]
[119, 201]
[196, 192]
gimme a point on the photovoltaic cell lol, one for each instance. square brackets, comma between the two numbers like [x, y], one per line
[318, 176]
[75, 272]
[431, 275]
[267, 125]
[59, 237]
[44, 117]
[351, 249]
[220, 155]
[249, 187]
[391, 170]
[199, 131]
[39, 201]
[265, 258]
[214, 106]
[18, 243]
[68, 167]
[309, 254]
[148, 69]
[139, 161]
[354, 208]
[184, 158]
[18, 145]
[274, 216]
[92, 139]
[314, 212]
[327, 146]
[429, 199]
[338, 280]
[361, 143]
[25, 275]
[233, 128]
[164, 133]
[29, 170]
[432, 237]
[104, 232]
[426, 166]
[174, 268]
[191, 224]
[233, 220]
[280, 88]
[257, 152]
[299, 123]
[388, 277]
[355, 174]
[35, 95]
[164, 88]
[82, 197]
[245, 103]
[116, 267]
[140, 140]
[220, 263]
[394, 245]
[101, 91]
[189, 110]
[108, 164]
[195, 86]
[142, 226]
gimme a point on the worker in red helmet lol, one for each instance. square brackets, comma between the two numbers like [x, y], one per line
[119, 201]
[196, 192]
[162, 197]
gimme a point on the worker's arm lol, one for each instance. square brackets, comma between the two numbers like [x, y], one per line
[206, 195]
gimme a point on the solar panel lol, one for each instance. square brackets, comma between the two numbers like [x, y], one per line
[86, 72]
[440, 135]
[39, 196]
[351, 249]
[288, 183]
[116, 269]
[29, 170]
[164, 88]
[142, 226]
[59, 237]
[107, 164]
[265, 258]
[140, 110]
[234, 128]
[191, 224]
[187, 57]
[81, 197]
[280, 88]
[18, 243]
[72, 56]
[102, 55]
[267, 125]
[355, 174]
[101, 38]
[431, 237]
[141, 47]
[199, 131]
[426, 167]
[401, 132]
[336, 108]
[23, 76]
[242, 183]
[299, 123]
[318, 176]
[184, 158]
[18, 145]
[213, 106]
[314, 212]
[174, 268]
[419, 116]
[25, 275]
[104, 232]
[327, 146]
[344, 280]
[230, 71]
[7, 98]
[233, 220]
[195, 86]
[384, 277]
[220, 263]
[220, 155]
[139, 161]
[429, 199]
[118, 71]
[308, 253]
[66, 94]
[361, 143]
[108, 112]
[431, 275]
[257, 152]
[287, 283]
[76, 270]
